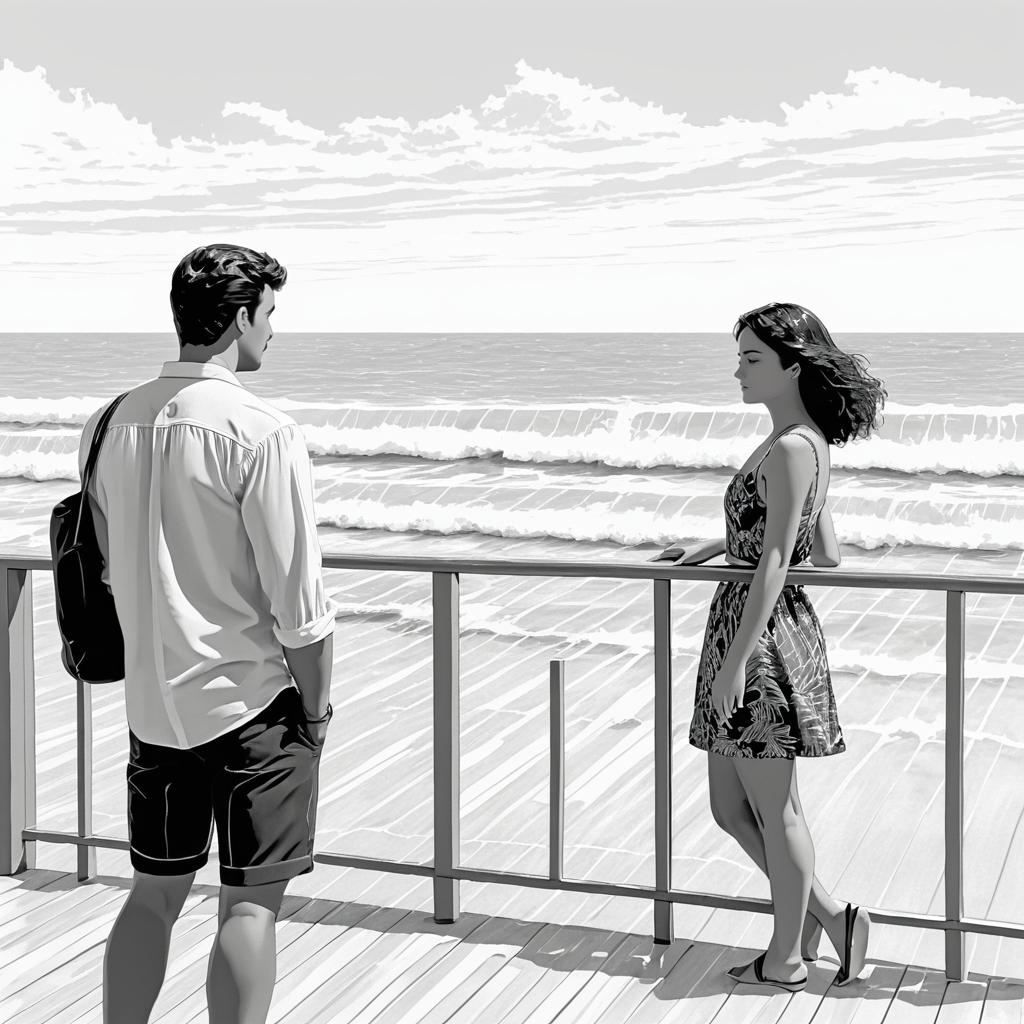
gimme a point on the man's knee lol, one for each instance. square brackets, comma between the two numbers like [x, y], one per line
[162, 894]
[259, 901]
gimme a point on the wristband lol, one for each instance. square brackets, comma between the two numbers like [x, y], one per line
[323, 719]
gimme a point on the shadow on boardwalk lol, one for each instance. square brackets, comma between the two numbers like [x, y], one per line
[361, 962]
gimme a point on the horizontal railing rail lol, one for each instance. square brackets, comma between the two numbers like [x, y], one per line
[17, 727]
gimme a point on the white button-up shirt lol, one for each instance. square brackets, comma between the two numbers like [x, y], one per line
[203, 502]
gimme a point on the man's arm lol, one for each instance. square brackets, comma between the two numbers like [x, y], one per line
[279, 518]
[310, 667]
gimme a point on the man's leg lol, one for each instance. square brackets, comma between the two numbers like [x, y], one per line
[243, 963]
[136, 955]
[265, 804]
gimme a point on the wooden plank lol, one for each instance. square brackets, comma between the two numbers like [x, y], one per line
[74, 988]
[693, 992]
[14, 887]
[865, 1001]
[420, 944]
[37, 920]
[637, 967]
[47, 923]
[541, 980]
[918, 997]
[348, 955]
[963, 1002]
[184, 990]
[1004, 1003]
[447, 985]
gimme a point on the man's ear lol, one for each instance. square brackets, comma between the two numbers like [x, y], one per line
[242, 319]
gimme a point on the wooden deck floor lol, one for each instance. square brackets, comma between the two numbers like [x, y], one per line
[356, 961]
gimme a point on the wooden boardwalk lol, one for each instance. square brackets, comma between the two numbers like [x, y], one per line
[357, 962]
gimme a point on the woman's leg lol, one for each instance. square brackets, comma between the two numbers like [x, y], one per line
[789, 858]
[732, 811]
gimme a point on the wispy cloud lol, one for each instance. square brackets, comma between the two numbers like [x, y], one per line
[550, 169]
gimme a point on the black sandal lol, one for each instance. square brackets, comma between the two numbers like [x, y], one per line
[844, 975]
[736, 973]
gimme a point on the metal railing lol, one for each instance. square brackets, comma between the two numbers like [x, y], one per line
[17, 728]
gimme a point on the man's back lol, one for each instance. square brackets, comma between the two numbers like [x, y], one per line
[213, 559]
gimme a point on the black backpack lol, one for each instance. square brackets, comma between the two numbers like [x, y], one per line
[92, 642]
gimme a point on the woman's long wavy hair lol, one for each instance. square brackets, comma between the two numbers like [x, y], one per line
[844, 400]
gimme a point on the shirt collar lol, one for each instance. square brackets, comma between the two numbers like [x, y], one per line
[196, 370]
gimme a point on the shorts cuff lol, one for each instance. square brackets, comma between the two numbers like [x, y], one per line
[264, 874]
[161, 866]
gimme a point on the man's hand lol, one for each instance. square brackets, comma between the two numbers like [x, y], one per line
[318, 731]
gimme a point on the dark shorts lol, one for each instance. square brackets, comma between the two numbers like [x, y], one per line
[257, 782]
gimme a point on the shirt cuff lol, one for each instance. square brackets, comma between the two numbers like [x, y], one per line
[310, 632]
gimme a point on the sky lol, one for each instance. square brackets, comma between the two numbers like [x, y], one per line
[484, 166]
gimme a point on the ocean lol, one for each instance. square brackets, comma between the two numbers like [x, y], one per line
[599, 447]
[620, 440]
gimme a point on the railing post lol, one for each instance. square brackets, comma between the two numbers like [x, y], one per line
[956, 965]
[556, 792]
[663, 931]
[446, 745]
[17, 722]
[83, 733]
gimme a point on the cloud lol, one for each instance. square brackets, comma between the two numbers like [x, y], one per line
[550, 167]
[553, 106]
[277, 120]
[880, 99]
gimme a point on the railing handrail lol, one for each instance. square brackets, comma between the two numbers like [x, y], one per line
[862, 578]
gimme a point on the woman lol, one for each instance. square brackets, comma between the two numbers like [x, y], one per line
[764, 696]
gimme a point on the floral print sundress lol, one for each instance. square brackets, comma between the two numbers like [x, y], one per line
[789, 709]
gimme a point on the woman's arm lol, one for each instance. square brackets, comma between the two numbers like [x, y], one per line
[788, 472]
[825, 548]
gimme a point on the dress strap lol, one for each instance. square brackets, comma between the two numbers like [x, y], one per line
[814, 448]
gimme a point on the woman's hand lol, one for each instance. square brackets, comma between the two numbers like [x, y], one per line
[727, 689]
[691, 554]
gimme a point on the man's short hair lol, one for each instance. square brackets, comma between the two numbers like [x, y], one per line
[212, 283]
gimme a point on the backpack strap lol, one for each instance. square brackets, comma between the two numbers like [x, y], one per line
[94, 451]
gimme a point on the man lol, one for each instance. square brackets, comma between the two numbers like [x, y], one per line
[203, 500]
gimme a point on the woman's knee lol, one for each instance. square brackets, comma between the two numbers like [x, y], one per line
[728, 811]
[779, 816]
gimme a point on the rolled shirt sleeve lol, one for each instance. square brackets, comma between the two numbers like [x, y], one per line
[278, 513]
